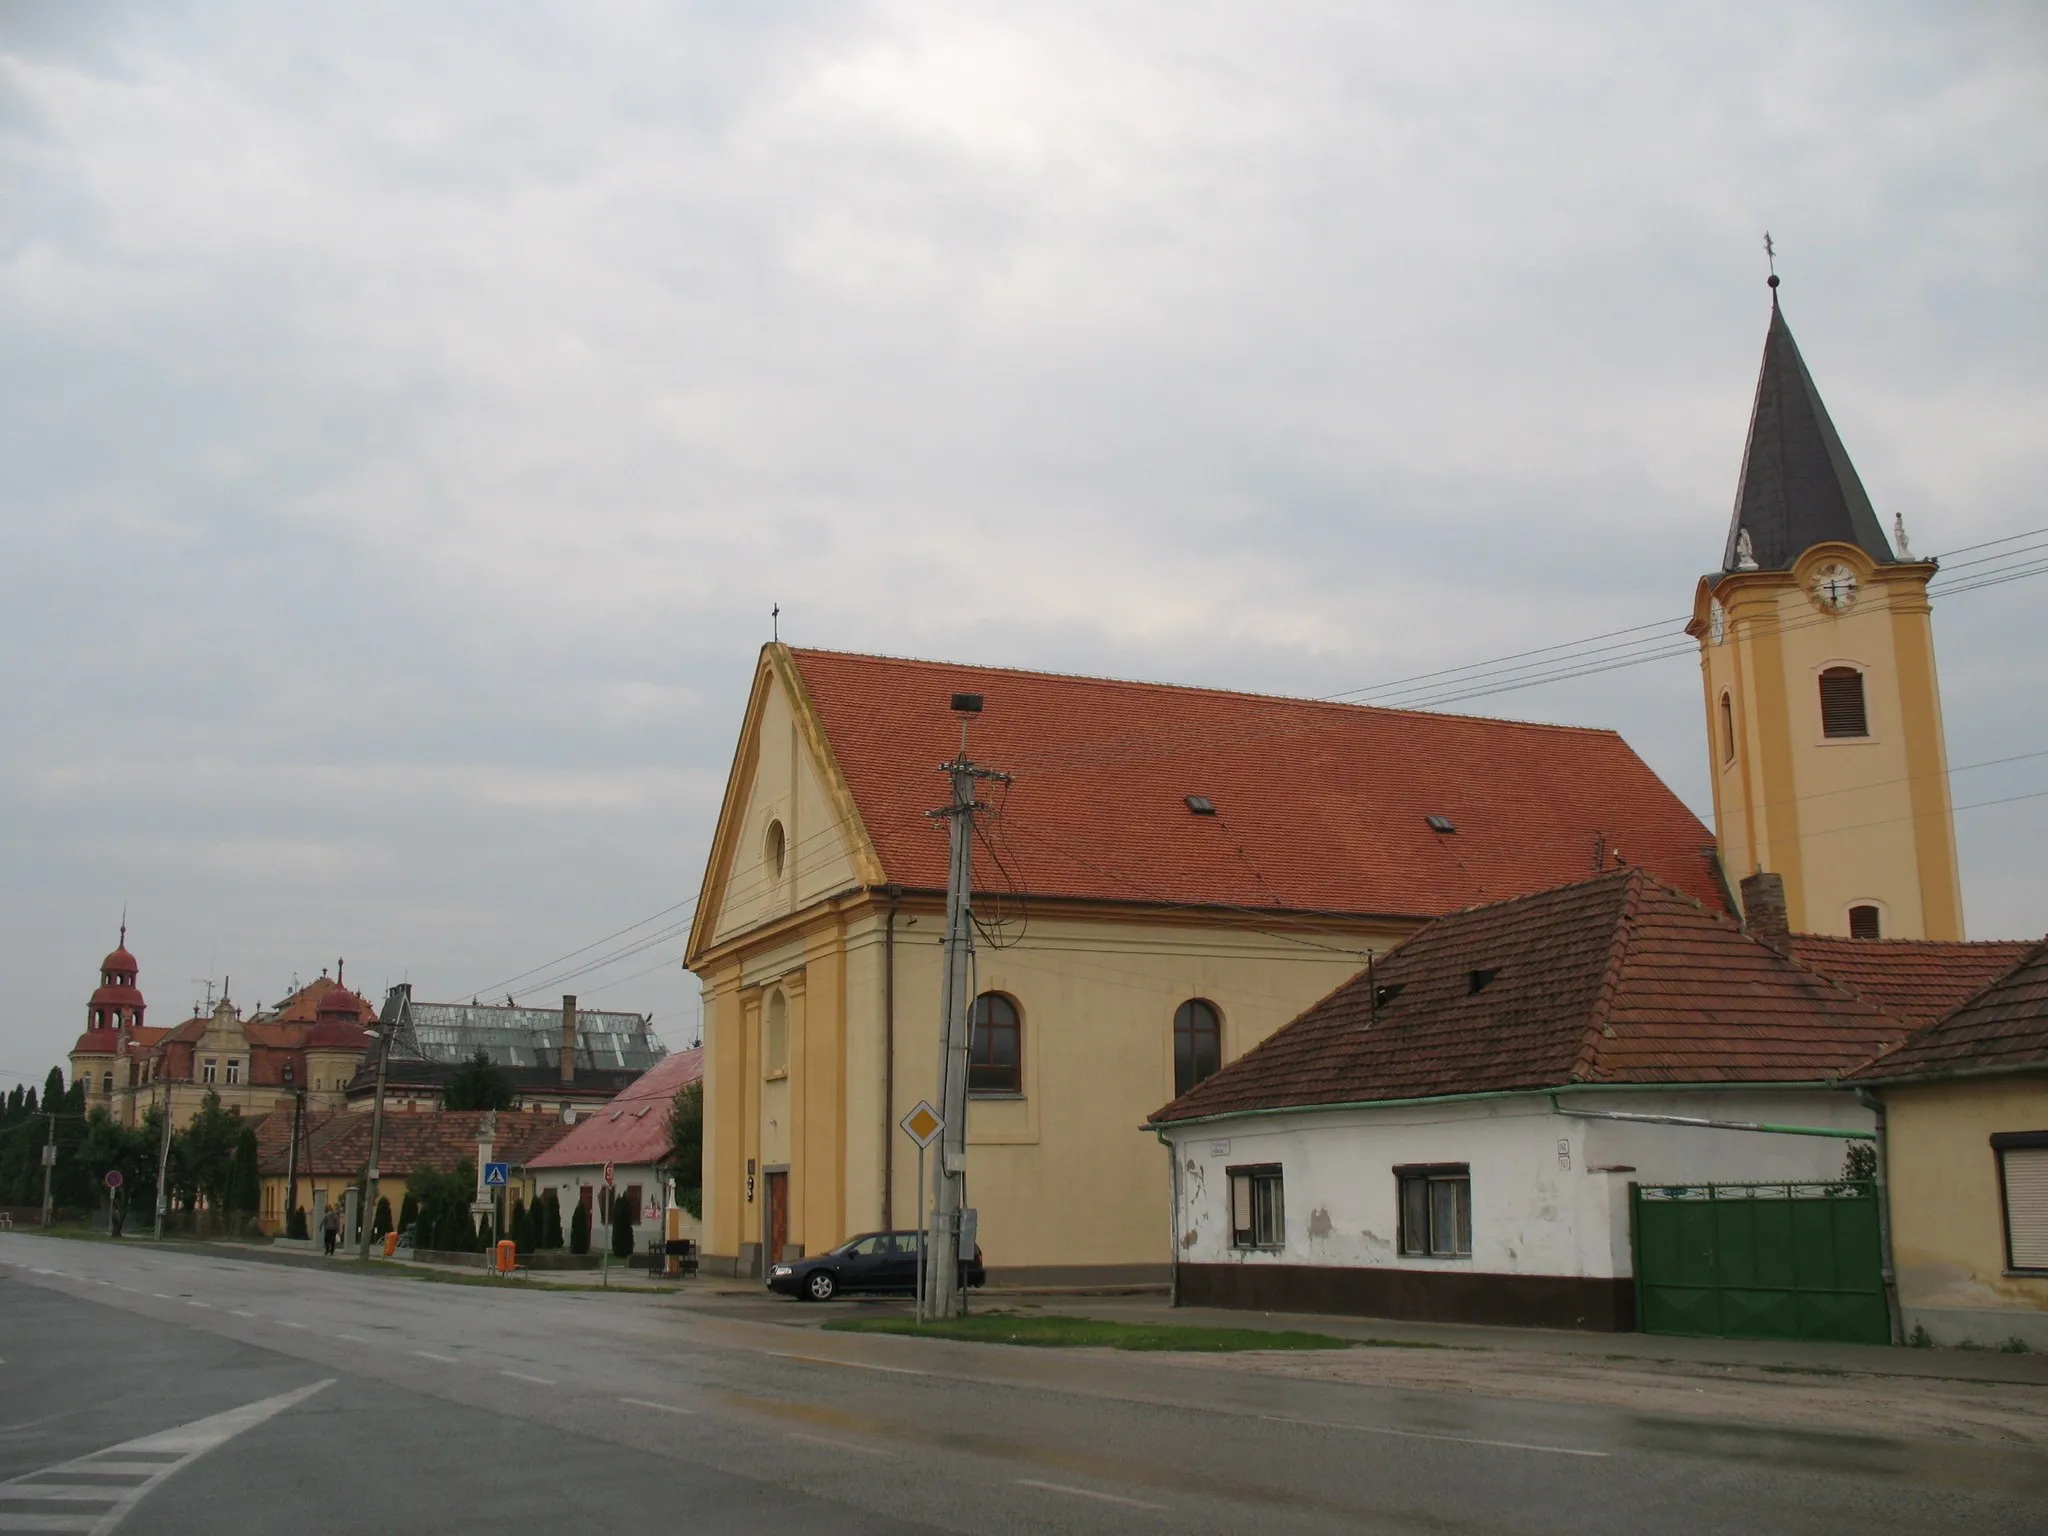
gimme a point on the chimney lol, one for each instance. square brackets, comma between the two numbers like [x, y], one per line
[1763, 910]
[569, 1025]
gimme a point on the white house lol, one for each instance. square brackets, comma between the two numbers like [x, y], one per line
[628, 1134]
[1449, 1135]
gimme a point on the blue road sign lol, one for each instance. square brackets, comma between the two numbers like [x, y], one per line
[495, 1175]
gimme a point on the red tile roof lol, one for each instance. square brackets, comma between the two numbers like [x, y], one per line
[632, 1128]
[1618, 979]
[1917, 979]
[339, 1140]
[2004, 1028]
[1320, 807]
[97, 1042]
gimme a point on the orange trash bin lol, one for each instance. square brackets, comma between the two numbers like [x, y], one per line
[390, 1244]
[508, 1256]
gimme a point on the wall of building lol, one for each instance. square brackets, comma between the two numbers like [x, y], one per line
[1845, 821]
[1549, 1197]
[1948, 1235]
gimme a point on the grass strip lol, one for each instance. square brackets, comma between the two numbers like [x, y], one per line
[1092, 1333]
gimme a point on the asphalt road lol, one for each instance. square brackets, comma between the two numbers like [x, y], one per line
[180, 1392]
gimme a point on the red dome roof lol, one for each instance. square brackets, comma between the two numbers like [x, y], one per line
[347, 1034]
[338, 1002]
[120, 961]
[116, 994]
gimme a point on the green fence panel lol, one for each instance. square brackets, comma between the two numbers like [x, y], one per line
[1759, 1261]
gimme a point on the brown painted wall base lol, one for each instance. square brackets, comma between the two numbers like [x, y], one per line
[1434, 1296]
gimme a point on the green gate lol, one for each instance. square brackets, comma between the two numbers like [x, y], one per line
[1759, 1261]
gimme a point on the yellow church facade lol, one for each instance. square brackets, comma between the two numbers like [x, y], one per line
[1130, 942]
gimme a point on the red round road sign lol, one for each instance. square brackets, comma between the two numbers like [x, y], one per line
[607, 1175]
[113, 1178]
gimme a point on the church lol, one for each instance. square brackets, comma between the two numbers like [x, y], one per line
[1169, 874]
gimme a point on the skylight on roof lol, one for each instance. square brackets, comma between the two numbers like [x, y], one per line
[1441, 824]
[1201, 805]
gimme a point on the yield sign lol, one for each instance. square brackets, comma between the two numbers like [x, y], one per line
[922, 1123]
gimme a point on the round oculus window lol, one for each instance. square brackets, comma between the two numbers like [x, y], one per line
[774, 850]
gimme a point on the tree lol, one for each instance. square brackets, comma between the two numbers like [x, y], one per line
[486, 1239]
[295, 1224]
[551, 1231]
[579, 1229]
[409, 1213]
[205, 1153]
[623, 1216]
[1859, 1163]
[685, 1157]
[477, 1084]
[245, 1186]
[444, 1197]
[522, 1227]
[382, 1224]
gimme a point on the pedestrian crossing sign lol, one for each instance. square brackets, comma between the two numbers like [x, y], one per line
[495, 1175]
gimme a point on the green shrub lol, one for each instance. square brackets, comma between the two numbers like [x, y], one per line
[551, 1234]
[485, 1238]
[408, 1211]
[295, 1224]
[382, 1223]
[522, 1227]
[622, 1230]
[579, 1229]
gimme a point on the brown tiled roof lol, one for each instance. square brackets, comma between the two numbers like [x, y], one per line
[1917, 979]
[429, 1138]
[2004, 1028]
[1320, 806]
[1618, 979]
[632, 1128]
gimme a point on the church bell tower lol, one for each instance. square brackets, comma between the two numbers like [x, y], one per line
[1823, 713]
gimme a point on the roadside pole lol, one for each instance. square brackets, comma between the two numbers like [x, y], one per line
[163, 1161]
[291, 1161]
[384, 1032]
[49, 1164]
[921, 1250]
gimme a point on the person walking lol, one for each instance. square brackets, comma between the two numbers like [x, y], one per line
[330, 1229]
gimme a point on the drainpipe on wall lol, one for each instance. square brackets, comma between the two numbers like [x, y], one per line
[895, 893]
[1875, 1105]
[1697, 1123]
[1172, 1220]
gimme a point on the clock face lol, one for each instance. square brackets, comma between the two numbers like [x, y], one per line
[1834, 587]
[1717, 622]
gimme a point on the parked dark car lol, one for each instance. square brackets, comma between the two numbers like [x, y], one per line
[874, 1262]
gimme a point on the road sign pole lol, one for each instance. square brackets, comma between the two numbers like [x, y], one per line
[921, 1205]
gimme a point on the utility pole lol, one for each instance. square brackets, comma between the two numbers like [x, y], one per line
[163, 1161]
[385, 1028]
[942, 1293]
[49, 1163]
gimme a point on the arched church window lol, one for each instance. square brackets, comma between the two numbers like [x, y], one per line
[995, 1052]
[1197, 1043]
[1727, 729]
[1865, 922]
[107, 1084]
[1842, 712]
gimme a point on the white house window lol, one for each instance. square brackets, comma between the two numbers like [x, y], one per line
[2023, 1184]
[234, 1070]
[210, 1071]
[107, 1082]
[1258, 1217]
[1436, 1210]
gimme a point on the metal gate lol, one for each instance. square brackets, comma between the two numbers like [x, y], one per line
[1759, 1261]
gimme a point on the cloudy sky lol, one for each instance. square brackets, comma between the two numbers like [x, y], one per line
[409, 414]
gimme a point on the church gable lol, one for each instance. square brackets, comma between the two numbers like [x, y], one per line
[788, 834]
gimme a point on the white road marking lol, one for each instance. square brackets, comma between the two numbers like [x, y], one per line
[204, 1306]
[238, 1312]
[1087, 1493]
[160, 1296]
[351, 1338]
[1423, 1434]
[837, 1445]
[282, 1323]
[644, 1402]
[538, 1381]
[162, 1455]
[859, 1365]
[428, 1354]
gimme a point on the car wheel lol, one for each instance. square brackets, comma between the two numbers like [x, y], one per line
[821, 1286]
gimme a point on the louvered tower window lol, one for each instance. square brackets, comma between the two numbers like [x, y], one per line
[1841, 703]
[1727, 729]
[1864, 923]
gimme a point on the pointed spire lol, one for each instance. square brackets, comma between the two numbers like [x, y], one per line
[1798, 487]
